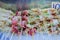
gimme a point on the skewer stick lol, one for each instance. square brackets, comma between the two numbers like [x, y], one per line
[27, 35]
[32, 36]
[8, 34]
[20, 34]
[2, 36]
[19, 37]
[11, 36]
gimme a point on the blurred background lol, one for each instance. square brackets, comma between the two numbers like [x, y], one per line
[25, 4]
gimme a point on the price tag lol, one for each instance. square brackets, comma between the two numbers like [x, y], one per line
[56, 5]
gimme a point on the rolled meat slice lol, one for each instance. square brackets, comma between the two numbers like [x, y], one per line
[24, 18]
[14, 22]
[15, 29]
[32, 31]
[25, 12]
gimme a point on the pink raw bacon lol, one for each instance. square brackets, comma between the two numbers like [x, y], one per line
[24, 18]
[15, 29]
[25, 12]
[32, 31]
[14, 22]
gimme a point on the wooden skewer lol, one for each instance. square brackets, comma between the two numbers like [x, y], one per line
[8, 34]
[2, 36]
[27, 35]
[19, 37]
[32, 36]
[11, 36]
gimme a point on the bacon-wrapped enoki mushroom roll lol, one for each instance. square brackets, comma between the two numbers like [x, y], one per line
[14, 26]
[15, 23]
[32, 31]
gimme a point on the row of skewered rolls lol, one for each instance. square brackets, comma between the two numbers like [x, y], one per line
[32, 21]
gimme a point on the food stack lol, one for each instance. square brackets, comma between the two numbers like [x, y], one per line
[35, 20]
